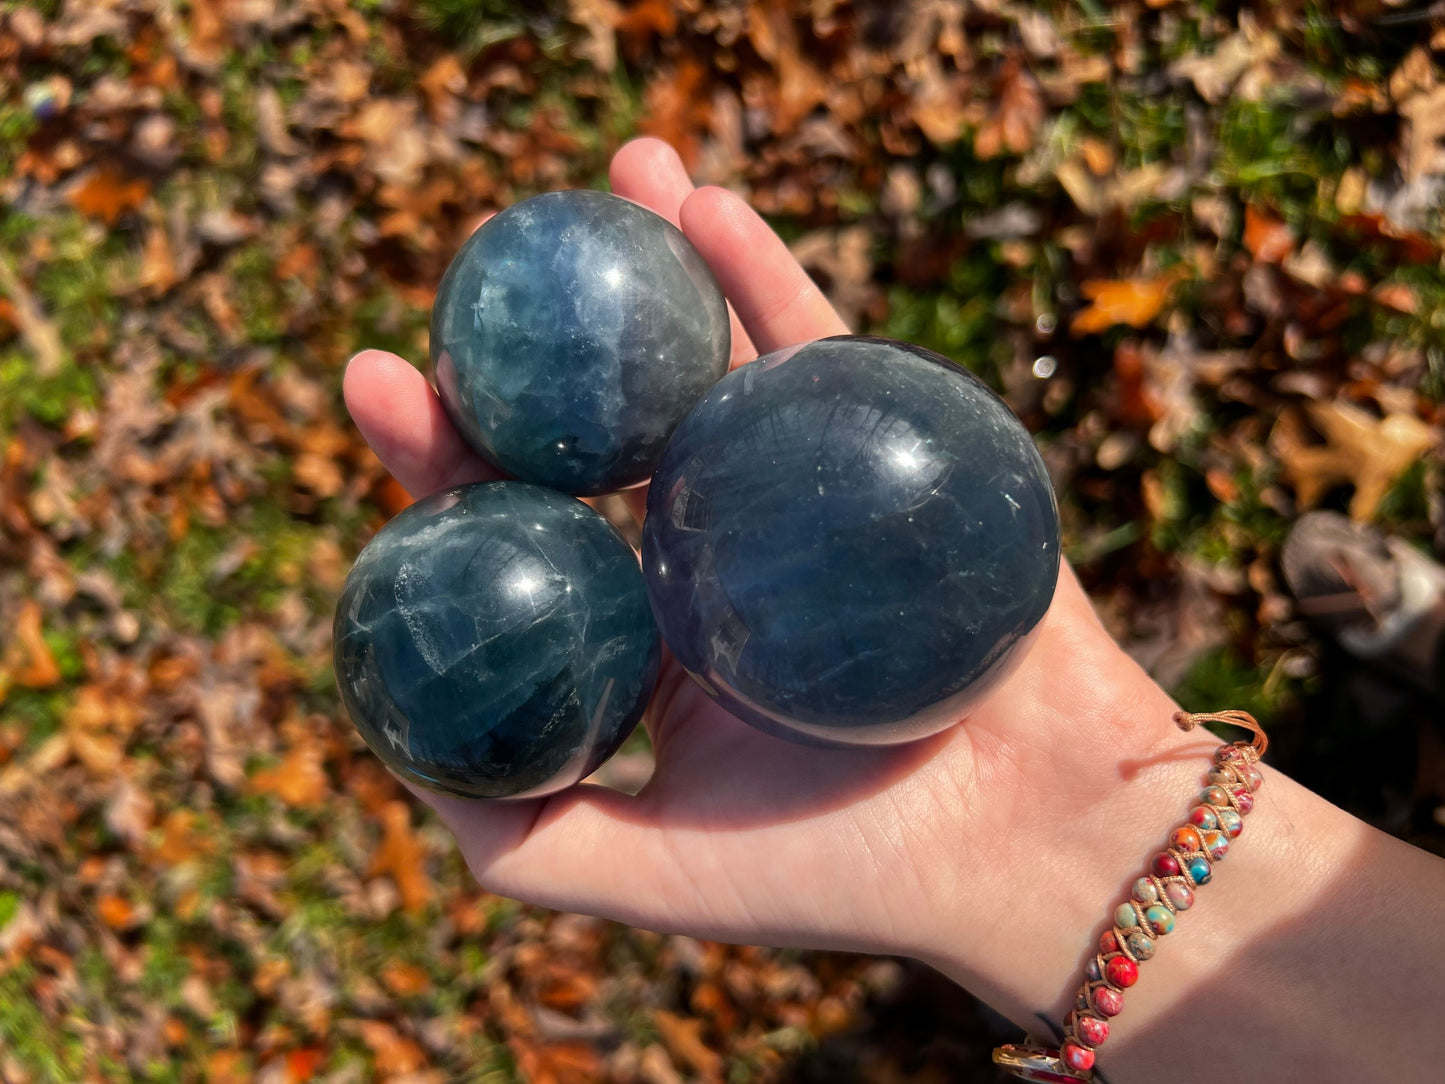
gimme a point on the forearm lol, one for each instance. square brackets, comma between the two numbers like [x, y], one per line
[1316, 948]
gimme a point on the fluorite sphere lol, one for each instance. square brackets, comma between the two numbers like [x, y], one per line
[495, 641]
[570, 335]
[849, 542]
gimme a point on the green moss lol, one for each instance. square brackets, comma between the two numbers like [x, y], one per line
[469, 26]
[1224, 678]
[27, 1034]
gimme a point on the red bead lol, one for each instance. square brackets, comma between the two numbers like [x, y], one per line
[1108, 942]
[1077, 1056]
[1165, 865]
[1242, 798]
[1092, 1030]
[1107, 1001]
[1121, 971]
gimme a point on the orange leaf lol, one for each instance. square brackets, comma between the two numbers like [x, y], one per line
[1398, 296]
[1121, 301]
[180, 841]
[683, 1039]
[28, 658]
[404, 979]
[1267, 238]
[115, 911]
[227, 1067]
[393, 1052]
[300, 779]
[567, 990]
[301, 1065]
[107, 194]
[402, 857]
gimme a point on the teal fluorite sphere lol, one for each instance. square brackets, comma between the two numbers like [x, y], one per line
[569, 336]
[495, 641]
[850, 542]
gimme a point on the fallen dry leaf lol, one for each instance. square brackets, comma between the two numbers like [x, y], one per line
[116, 912]
[404, 979]
[393, 1052]
[683, 1037]
[106, 194]
[1367, 452]
[1014, 123]
[28, 660]
[1267, 238]
[402, 858]
[1135, 302]
[299, 780]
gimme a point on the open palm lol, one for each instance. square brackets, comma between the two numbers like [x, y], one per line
[741, 836]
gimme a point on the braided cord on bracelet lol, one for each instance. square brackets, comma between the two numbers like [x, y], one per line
[1186, 862]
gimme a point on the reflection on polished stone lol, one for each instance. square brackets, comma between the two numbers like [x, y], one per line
[495, 641]
[569, 336]
[850, 541]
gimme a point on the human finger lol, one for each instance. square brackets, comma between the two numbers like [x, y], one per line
[405, 423]
[777, 302]
[648, 171]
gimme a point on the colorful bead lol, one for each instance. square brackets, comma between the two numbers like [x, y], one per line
[1226, 753]
[1185, 838]
[1108, 942]
[1254, 777]
[1199, 870]
[1164, 865]
[1121, 971]
[1161, 918]
[1107, 1000]
[1203, 816]
[1216, 845]
[1125, 916]
[1214, 796]
[1091, 969]
[1091, 1029]
[1223, 776]
[1077, 1056]
[1180, 895]
[1243, 799]
[1146, 891]
[1231, 822]
[1140, 944]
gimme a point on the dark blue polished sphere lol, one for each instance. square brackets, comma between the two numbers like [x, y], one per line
[849, 542]
[569, 336]
[495, 641]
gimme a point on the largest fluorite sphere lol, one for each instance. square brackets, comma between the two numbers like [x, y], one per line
[850, 542]
[495, 641]
[569, 336]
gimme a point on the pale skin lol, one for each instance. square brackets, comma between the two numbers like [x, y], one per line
[994, 851]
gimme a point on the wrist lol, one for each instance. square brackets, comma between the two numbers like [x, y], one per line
[1268, 972]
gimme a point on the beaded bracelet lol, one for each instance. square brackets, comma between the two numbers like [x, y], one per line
[1158, 896]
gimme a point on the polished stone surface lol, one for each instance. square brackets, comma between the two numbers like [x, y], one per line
[569, 336]
[850, 542]
[495, 641]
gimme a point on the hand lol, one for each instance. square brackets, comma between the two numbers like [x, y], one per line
[923, 849]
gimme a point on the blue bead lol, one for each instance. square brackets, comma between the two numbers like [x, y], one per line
[495, 641]
[569, 336]
[850, 542]
[1199, 870]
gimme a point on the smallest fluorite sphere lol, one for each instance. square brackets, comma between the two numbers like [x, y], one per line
[495, 641]
[569, 336]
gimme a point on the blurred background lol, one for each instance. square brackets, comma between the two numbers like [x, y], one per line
[1197, 246]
